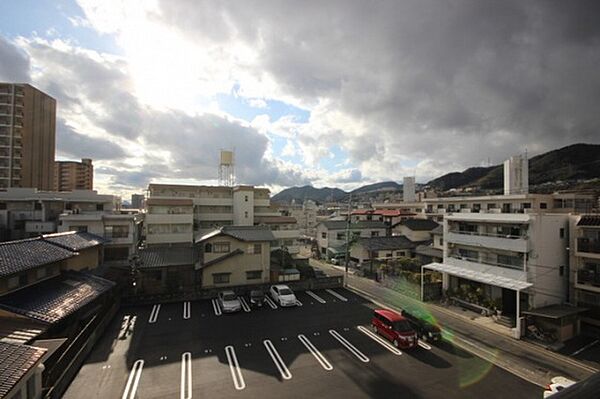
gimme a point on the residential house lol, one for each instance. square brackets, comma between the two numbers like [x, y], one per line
[415, 229]
[331, 234]
[21, 371]
[367, 249]
[285, 231]
[434, 250]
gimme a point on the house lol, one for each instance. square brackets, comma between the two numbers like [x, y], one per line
[381, 248]
[434, 250]
[21, 371]
[331, 234]
[388, 216]
[285, 230]
[415, 229]
[235, 255]
[167, 270]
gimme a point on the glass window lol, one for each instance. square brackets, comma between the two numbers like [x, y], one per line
[543, 205]
[257, 248]
[374, 234]
[220, 278]
[561, 233]
[323, 235]
[254, 275]
[221, 247]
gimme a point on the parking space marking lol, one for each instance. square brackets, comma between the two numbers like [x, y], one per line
[234, 367]
[216, 307]
[338, 296]
[298, 303]
[187, 310]
[186, 376]
[270, 302]
[133, 380]
[314, 351]
[423, 345]
[283, 370]
[154, 314]
[361, 356]
[379, 340]
[244, 304]
[315, 296]
[588, 346]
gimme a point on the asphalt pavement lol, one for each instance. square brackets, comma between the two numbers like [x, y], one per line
[321, 348]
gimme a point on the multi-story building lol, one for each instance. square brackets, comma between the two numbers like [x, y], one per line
[137, 201]
[178, 213]
[305, 215]
[27, 212]
[72, 175]
[585, 265]
[27, 137]
[331, 234]
[285, 232]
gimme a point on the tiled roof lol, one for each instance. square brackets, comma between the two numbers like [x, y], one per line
[242, 233]
[20, 330]
[420, 224]
[342, 224]
[53, 299]
[22, 255]
[428, 250]
[589, 220]
[386, 243]
[276, 219]
[382, 212]
[168, 256]
[15, 362]
[222, 258]
[74, 240]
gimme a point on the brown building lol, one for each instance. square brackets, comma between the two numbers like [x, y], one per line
[71, 175]
[27, 137]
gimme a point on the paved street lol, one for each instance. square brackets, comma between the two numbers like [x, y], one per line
[316, 349]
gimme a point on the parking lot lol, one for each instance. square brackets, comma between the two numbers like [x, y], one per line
[321, 348]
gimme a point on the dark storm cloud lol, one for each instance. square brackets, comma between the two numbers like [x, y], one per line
[484, 78]
[75, 145]
[14, 65]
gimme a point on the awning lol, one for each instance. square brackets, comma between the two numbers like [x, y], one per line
[555, 311]
[479, 276]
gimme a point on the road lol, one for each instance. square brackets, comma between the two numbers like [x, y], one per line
[316, 349]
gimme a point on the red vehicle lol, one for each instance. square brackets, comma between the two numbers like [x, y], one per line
[394, 327]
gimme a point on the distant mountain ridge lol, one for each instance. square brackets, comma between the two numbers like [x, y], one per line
[573, 162]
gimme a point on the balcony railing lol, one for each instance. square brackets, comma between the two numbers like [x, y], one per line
[588, 245]
[486, 261]
[588, 277]
[476, 233]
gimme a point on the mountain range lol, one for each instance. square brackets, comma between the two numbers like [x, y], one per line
[568, 164]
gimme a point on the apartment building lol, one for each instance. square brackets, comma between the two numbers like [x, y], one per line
[331, 234]
[72, 175]
[27, 137]
[585, 265]
[178, 213]
[137, 201]
[28, 212]
[305, 215]
[285, 232]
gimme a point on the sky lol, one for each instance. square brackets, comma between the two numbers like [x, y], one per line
[338, 93]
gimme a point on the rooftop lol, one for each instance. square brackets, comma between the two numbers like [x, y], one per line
[419, 224]
[54, 299]
[15, 362]
[276, 219]
[589, 220]
[21, 255]
[389, 242]
[168, 256]
[242, 233]
[74, 240]
[342, 225]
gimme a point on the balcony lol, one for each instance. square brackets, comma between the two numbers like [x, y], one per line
[169, 218]
[483, 260]
[588, 245]
[489, 240]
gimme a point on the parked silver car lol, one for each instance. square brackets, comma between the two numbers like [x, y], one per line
[229, 302]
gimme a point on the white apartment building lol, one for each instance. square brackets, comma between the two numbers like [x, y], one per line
[585, 266]
[305, 215]
[27, 212]
[518, 259]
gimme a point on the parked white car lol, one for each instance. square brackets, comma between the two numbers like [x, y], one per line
[283, 295]
[557, 384]
[229, 302]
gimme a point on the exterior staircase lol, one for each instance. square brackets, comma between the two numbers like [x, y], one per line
[506, 321]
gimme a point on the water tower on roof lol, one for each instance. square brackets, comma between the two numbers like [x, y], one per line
[226, 169]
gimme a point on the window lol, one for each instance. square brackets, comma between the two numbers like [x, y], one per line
[341, 236]
[526, 205]
[221, 247]
[441, 241]
[257, 248]
[374, 234]
[40, 273]
[99, 207]
[2, 205]
[246, 214]
[37, 206]
[561, 271]
[245, 198]
[208, 248]
[491, 206]
[561, 234]
[13, 282]
[254, 275]
[323, 235]
[79, 229]
[116, 231]
[543, 205]
[221, 278]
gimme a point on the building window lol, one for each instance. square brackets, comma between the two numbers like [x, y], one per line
[116, 231]
[221, 278]
[561, 233]
[38, 206]
[341, 236]
[208, 248]
[99, 207]
[374, 234]
[257, 249]
[79, 229]
[221, 247]
[254, 275]
[561, 271]
[526, 205]
[13, 282]
[491, 206]
[441, 241]
[246, 214]
[543, 205]
[323, 235]
[245, 198]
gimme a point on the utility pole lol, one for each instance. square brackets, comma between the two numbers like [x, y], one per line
[348, 240]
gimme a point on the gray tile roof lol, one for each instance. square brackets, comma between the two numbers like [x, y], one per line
[168, 256]
[420, 224]
[589, 220]
[342, 225]
[74, 240]
[22, 255]
[15, 362]
[428, 250]
[242, 233]
[54, 299]
[386, 243]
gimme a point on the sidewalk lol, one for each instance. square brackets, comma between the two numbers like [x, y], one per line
[484, 340]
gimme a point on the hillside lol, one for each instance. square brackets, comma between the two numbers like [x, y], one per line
[384, 186]
[310, 193]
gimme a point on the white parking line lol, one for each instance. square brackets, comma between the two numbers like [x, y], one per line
[379, 340]
[320, 358]
[315, 296]
[298, 303]
[154, 314]
[133, 380]
[216, 307]
[283, 370]
[234, 367]
[187, 310]
[270, 302]
[186, 375]
[424, 345]
[338, 296]
[361, 356]
[244, 304]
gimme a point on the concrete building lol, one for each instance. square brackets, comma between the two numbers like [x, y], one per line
[27, 212]
[585, 266]
[516, 175]
[305, 215]
[27, 137]
[408, 189]
[137, 201]
[192, 211]
[285, 232]
[331, 234]
[72, 175]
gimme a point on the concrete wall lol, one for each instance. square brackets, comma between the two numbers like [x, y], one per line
[243, 206]
[412, 235]
[88, 259]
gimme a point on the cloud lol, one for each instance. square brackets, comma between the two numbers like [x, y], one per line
[76, 145]
[14, 66]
